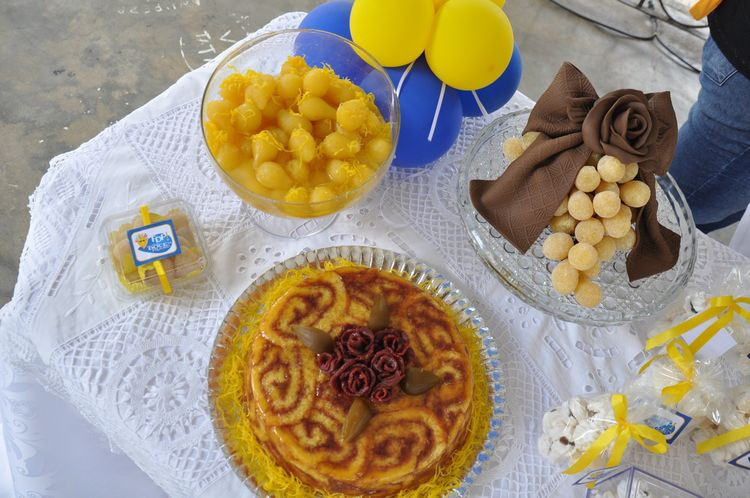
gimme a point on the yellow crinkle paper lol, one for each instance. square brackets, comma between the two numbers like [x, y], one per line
[261, 466]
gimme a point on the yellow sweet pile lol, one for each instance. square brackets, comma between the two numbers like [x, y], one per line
[305, 136]
[592, 223]
[262, 467]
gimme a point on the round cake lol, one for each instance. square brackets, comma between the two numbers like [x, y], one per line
[298, 399]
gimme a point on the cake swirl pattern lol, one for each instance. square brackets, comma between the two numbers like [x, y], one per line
[298, 415]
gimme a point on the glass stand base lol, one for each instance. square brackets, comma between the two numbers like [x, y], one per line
[290, 228]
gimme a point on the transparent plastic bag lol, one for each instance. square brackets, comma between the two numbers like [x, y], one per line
[705, 397]
[735, 415]
[570, 429]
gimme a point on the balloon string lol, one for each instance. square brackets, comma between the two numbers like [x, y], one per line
[403, 78]
[437, 113]
[479, 104]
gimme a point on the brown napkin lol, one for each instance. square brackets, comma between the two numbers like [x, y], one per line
[573, 122]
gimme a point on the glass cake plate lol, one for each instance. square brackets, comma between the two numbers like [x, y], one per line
[529, 275]
[406, 267]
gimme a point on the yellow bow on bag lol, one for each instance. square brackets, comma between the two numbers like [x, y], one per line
[723, 307]
[723, 440]
[158, 266]
[621, 433]
[702, 8]
[681, 355]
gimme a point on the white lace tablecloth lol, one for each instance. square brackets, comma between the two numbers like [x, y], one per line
[136, 370]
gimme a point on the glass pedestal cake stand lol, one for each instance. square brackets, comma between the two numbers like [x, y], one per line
[225, 411]
[529, 275]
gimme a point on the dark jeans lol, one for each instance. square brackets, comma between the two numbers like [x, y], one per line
[712, 162]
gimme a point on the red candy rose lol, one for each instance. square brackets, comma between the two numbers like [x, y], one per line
[381, 393]
[357, 342]
[354, 379]
[367, 364]
[389, 367]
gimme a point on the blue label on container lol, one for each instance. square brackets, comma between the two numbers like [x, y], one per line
[153, 242]
[669, 422]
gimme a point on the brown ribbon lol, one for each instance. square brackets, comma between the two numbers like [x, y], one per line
[573, 122]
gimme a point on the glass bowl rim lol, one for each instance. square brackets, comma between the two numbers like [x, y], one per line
[394, 121]
[518, 288]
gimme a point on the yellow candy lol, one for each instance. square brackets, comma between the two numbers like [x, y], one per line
[378, 149]
[246, 118]
[606, 204]
[229, 156]
[618, 225]
[565, 278]
[272, 176]
[299, 171]
[316, 82]
[627, 241]
[322, 128]
[594, 270]
[289, 120]
[322, 194]
[590, 231]
[219, 113]
[562, 208]
[557, 245]
[315, 108]
[339, 171]
[588, 294]
[302, 145]
[606, 248]
[232, 89]
[260, 89]
[587, 179]
[580, 206]
[471, 43]
[265, 147]
[246, 178]
[297, 195]
[611, 169]
[351, 114]
[635, 193]
[393, 31]
[608, 187]
[513, 148]
[290, 86]
[564, 223]
[340, 146]
[583, 256]
[631, 171]
[528, 138]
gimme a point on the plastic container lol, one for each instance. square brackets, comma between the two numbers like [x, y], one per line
[633, 482]
[155, 248]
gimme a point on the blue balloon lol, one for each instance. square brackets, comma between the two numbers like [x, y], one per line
[319, 50]
[418, 98]
[330, 16]
[496, 94]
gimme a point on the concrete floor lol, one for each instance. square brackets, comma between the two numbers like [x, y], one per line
[71, 68]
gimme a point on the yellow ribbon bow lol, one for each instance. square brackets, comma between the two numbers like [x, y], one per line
[723, 307]
[621, 433]
[723, 440]
[158, 266]
[681, 355]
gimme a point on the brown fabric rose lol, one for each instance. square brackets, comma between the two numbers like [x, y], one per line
[389, 367]
[573, 122]
[357, 342]
[381, 393]
[353, 379]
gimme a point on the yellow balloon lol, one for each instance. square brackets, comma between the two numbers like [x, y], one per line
[439, 3]
[395, 32]
[500, 3]
[471, 44]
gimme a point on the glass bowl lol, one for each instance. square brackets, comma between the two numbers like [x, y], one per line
[226, 408]
[528, 275]
[266, 54]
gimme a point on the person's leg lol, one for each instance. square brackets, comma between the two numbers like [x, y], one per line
[712, 160]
